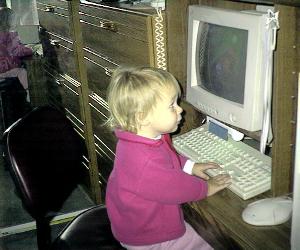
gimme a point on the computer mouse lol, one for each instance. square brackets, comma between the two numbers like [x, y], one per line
[269, 211]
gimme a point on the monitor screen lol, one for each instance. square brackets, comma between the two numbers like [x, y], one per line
[221, 61]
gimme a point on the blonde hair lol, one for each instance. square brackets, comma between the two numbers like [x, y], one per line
[133, 91]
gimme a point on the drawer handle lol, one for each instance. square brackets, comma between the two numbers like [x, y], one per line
[49, 9]
[54, 42]
[108, 25]
[108, 71]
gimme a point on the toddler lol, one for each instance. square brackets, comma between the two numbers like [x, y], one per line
[150, 181]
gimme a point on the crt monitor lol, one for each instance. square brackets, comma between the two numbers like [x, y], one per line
[226, 64]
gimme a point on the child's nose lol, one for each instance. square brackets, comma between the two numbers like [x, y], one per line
[179, 109]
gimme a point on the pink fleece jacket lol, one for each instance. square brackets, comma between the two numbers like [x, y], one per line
[11, 51]
[145, 190]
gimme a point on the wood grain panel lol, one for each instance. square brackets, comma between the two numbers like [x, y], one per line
[121, 28]
[224, 210]
[119, 48]
[136, 21]
[99, 72]
[285, 85]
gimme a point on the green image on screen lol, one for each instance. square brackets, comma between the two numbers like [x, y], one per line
[221, 61]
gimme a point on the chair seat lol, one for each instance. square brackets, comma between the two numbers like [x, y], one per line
[89, 230]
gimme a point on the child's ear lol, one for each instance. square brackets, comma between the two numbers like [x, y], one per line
[142, 119]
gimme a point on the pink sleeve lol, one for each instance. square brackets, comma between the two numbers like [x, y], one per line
[170, 186]
[182, 159]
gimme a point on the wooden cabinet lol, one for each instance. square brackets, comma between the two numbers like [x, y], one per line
[83, 44]
[112, 37]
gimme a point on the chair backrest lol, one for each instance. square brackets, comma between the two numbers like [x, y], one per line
[45, 155]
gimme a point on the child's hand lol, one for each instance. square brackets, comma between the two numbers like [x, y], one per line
[199, 168]
[217, 183]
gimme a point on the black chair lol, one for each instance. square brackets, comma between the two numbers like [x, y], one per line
[45, 160]
[89, 230]
[13, 103]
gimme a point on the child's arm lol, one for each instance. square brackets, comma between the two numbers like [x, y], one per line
[168, 185]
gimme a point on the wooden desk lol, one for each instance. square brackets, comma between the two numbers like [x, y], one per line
[218, 220]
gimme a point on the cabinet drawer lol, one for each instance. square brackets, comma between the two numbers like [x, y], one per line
[53, 17]
[99, 72]
[64, 93]
[71, 93]
[104, 137]
[135, 21]
[115, 35]
[59, 54]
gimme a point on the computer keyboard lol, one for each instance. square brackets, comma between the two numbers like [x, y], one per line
[249, 169]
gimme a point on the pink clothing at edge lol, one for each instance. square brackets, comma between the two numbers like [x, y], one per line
[189, 241]
[11, 51]
[145, 190]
